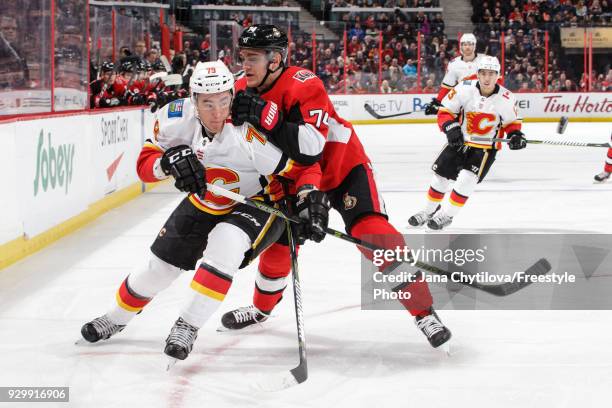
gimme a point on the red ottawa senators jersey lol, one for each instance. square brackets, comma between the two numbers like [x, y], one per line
[302, 98]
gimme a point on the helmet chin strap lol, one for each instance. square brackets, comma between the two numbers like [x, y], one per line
[268, 72]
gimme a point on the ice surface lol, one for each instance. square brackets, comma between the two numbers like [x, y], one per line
[356, 358]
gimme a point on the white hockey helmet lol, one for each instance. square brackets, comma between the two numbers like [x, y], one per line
[468, 38]
[211, 77]
[490, 63]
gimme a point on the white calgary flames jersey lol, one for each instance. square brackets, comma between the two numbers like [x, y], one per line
[458, 70]
[481, 116]
[238, 158]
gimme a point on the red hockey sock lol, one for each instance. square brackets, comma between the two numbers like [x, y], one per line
[270, 282]
[608, 166]
[377, 230]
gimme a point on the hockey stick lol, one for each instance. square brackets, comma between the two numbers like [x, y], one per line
[299, 374]
[548, 142]
[372, 112]
[541, 267]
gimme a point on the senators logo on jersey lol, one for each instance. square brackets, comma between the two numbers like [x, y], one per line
[303, 75]
[480, 123]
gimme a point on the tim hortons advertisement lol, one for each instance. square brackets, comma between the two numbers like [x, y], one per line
[531, 106]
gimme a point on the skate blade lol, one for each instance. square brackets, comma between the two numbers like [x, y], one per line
[82, 342]
[253, 327]
[171, 362]
[446, 349]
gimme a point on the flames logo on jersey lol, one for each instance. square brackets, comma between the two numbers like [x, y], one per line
[480, 123]
[226, 176]
[156, 129]
[303, 75]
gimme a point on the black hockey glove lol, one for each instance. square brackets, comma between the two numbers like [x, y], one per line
[432, 107]
[453, 133]
[184, 166]
[517, 140]
[313, 207]
[248, 107]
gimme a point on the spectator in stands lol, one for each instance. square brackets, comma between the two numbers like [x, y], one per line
[430, 87]
[409, 69]
[14, 72]
[152, 56]
[140, 49]
[385, 88]
[205, 45]
[567, 86]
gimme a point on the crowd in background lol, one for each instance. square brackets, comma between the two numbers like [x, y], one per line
[523, 24]
[381, 53]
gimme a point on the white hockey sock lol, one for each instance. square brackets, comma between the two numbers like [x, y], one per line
[224, 253]
[463, 188]
[137, 290]
[437, 188]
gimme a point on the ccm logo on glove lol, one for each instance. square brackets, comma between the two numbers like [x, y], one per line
[176, 156]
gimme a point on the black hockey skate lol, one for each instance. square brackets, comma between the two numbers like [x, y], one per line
[439, 221]
[100, 328]
[180, 340]
[602, 177]
[431, 326]
[421, 217]
[242, 317]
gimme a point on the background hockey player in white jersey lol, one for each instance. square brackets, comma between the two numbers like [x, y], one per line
[194, 141]
[459, 68]
[481, 108]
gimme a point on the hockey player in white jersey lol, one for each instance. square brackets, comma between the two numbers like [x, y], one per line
[481, 108]
[194, 141]
[459, 68]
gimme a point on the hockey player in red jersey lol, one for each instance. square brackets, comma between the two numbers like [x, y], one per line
[474, 108]
[194, 141]
[291, 105]
[605, 174]
[115, 94]
[99, 86]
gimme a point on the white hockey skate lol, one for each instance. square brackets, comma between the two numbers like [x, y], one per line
[602, 177]
[421, 218]
[439, 221]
